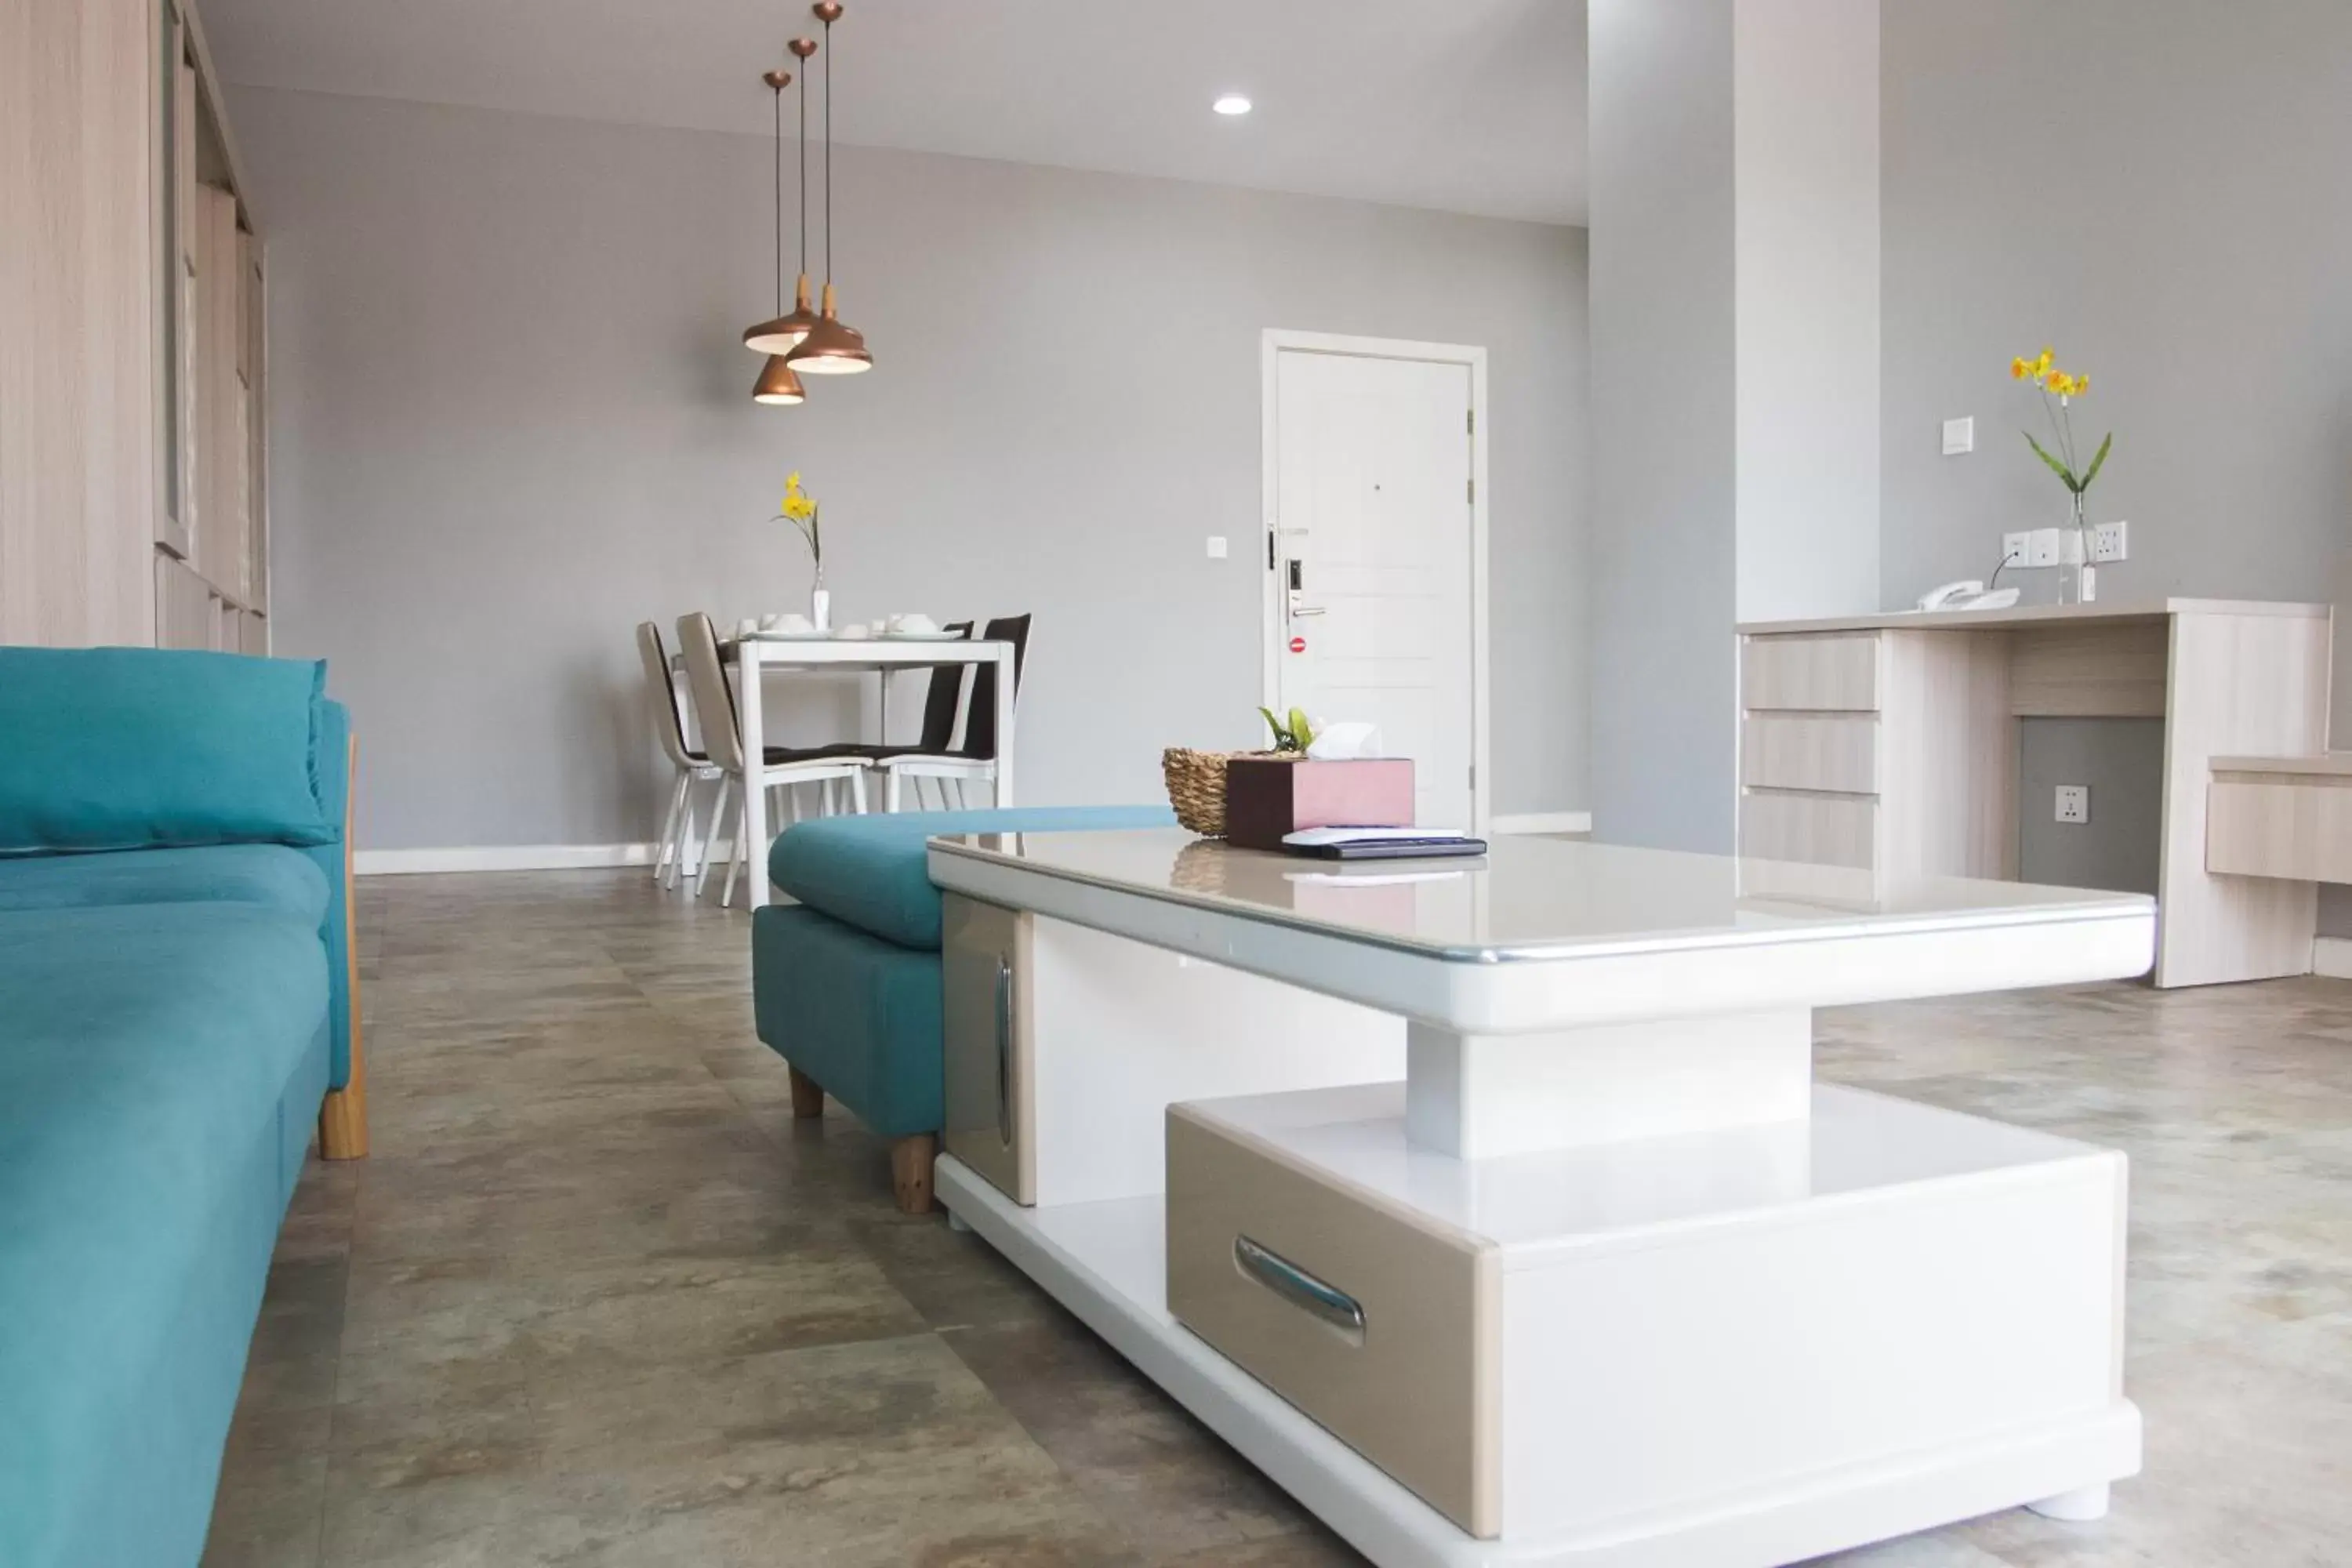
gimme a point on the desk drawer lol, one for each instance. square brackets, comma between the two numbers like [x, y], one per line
[1384, 1328]
[1831, 673]
[1816, 829]
[2296, 827]
[1804, 751]
[988, 1042]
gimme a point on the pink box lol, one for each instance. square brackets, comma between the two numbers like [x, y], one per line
[1265, 799]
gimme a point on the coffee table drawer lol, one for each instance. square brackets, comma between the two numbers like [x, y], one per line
[1381, 1324]
[988, 1046]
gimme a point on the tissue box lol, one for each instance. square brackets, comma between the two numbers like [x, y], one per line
[1265, 799]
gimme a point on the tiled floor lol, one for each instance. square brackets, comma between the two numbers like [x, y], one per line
[597, 1299]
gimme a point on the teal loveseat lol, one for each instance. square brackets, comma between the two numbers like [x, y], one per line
[845, 982]
[175, 1017]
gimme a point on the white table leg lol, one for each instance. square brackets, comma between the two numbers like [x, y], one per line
[1475, 1097]
[1005, 695]
[754, 825]
[883, 676]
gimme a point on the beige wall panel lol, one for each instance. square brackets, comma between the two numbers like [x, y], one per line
[77, 413]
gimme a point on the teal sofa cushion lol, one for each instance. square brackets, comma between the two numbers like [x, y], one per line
[159, 1065]
[269, 875]
[859, 1015]
[873, 871]
[116, 748]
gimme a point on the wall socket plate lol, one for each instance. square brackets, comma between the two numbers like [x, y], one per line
[1217, 547]
[2042, 547]
[2074, 803]
[2015, 548]
[2111, 541]
[1959, 435]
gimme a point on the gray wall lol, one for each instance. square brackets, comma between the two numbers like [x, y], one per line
[2161, 189]
[2122, 762]
[511, 419]
[1664, 471]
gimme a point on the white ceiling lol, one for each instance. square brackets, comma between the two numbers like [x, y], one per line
[1470, 106]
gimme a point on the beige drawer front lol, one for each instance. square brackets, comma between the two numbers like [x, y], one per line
[2262, 826]
[1802, 751]
[1827, 674]
[1817, 829]
[987, 1043]
[1384, 1330]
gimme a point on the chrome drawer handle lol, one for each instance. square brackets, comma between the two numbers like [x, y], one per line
[1300, 1288]
[1004, 1052]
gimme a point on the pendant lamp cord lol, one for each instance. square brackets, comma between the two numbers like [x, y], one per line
[804, 102]
[779, 201]
[828, 155]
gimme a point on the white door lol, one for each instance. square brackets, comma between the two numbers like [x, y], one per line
[1371, 549]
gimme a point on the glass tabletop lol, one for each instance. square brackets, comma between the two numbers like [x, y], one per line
[1535, 897]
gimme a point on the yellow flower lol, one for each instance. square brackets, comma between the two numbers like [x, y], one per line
[2020, 369]
[797, 505]
[2041, 365]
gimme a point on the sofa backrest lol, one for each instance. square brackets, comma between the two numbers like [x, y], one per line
[136, 748]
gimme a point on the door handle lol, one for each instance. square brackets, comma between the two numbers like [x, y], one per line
[1004, 1052]
[1317, 1297]
[1298, 610]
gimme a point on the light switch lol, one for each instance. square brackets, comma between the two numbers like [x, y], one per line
[1959, 435]
[1217, 547]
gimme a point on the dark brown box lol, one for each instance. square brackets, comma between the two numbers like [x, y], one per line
[1265, 799]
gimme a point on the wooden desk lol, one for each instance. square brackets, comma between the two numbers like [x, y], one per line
[1889, 743]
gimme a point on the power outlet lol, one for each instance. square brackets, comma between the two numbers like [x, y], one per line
[2015, 548]
[2074, 803]
[2111, 541]
[2042, 547]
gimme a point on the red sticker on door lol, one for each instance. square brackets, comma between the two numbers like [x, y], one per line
[1299, 645]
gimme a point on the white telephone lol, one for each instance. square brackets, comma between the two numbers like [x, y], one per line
[1968, 593]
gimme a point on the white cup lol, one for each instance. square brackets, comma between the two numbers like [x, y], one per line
[856, 631]
[915, 625]
[797, 625]
[771, 623]
[746, 627]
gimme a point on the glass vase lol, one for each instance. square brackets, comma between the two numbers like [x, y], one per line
[821, 604]
[2078, 581]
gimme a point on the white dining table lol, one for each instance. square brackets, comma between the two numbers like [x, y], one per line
[760, 653]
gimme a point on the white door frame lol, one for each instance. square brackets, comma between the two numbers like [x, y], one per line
[1272, 343]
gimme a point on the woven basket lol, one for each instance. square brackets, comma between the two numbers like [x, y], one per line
[1196, 784]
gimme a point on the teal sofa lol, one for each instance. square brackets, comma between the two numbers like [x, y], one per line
[175, 1012]
[845, 982]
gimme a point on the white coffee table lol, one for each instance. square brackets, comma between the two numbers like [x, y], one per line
[1703, 1310]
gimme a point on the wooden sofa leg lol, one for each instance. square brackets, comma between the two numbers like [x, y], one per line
[808, 1096]
[910, 1172]
[342, 1118]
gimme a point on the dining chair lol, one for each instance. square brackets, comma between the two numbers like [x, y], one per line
[692, 766]
[948, 763]
[782, 767]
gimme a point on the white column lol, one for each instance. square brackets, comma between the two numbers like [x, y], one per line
[1478, 1097]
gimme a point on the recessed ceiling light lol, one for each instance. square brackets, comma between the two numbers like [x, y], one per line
[1232, 103]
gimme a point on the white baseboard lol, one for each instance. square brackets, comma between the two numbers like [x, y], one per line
[1542, 822]
[512, 858]
[2331, 956]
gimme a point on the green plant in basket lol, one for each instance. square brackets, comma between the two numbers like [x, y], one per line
[1292, 735]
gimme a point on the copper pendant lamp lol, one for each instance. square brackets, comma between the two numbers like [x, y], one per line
[777, 385]
[783, 334]
[831, 347]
